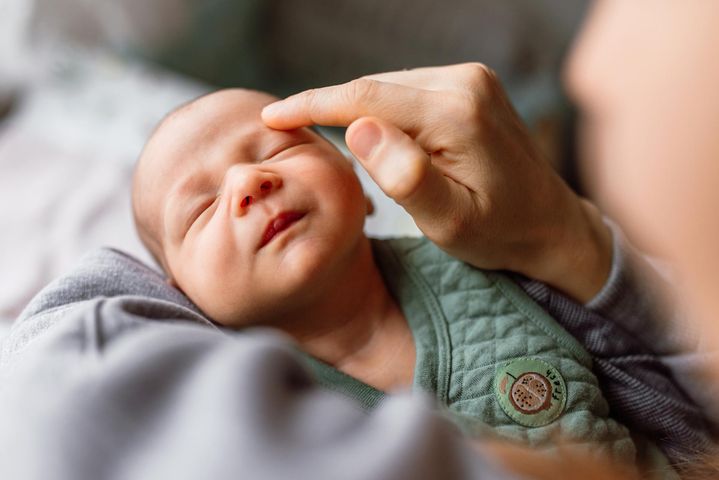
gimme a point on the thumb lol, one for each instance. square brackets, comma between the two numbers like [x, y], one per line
[402, 169]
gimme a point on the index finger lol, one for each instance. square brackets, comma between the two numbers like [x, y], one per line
[340, 105]
[448, 77]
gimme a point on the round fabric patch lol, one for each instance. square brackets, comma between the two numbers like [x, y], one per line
[531, 391]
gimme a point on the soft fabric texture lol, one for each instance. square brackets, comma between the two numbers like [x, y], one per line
[467, 324]
[634, 299]
[640, 388]
[111, 373]
[645, 354]
[108, 273]
[103, 273]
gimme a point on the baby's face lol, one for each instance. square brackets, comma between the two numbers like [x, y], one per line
[249, 222]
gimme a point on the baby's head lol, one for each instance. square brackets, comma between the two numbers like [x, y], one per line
[248, 222]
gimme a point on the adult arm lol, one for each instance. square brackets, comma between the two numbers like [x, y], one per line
[635, 297]
[446, 144]
[645, 359]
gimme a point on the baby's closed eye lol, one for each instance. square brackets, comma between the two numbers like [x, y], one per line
[198, 212]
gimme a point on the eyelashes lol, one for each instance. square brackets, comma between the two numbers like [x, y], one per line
[206, 206]
[201, 209]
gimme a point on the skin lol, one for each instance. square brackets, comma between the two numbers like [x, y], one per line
[191, 204]
[446, 144]
[645, 75]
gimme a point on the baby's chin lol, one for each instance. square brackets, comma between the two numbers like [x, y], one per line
[304, 280]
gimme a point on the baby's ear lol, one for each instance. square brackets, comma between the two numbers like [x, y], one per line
[369, 204]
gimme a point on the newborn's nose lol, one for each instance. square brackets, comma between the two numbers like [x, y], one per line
[247, 185]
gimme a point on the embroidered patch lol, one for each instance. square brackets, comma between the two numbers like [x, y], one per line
[531, 391]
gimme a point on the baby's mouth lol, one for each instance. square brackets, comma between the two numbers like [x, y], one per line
[279, 223]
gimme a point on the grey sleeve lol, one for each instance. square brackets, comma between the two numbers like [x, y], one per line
[124, 388]
[635, 296]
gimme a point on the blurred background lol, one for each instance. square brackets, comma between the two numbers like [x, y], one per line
[83, 82]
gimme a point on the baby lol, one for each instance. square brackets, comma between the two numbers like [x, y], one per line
[264, 227]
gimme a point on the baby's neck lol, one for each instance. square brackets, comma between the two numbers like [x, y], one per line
[359, 328]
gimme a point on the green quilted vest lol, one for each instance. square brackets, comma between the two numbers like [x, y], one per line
[488, 353]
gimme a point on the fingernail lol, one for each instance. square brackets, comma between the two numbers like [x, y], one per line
[365, 139]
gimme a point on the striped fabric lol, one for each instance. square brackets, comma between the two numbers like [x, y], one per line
[640, 388]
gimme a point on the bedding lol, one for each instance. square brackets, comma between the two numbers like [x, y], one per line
[111, 373]
[80, 319]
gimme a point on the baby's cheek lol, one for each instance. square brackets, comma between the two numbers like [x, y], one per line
[204, 278]
[216, 297]
[343, 179]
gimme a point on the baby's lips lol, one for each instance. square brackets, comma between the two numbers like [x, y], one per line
[278, 224]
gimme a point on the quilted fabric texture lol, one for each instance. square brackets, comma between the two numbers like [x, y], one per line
[468, 323]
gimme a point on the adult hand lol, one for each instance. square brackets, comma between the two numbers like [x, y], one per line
[446, 144]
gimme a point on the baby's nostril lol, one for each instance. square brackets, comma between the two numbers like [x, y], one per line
[246, 201]
[266, 186]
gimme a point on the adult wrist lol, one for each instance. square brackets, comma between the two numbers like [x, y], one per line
[580, 260]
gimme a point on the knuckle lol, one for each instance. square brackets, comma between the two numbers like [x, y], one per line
[479, 76]
[469, 105]
[459, 106]
[468, 109]
[361, 89]
[310, 95]
[310, 101]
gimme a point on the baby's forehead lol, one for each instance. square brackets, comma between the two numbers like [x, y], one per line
[204, 135]
[218, 112]
[209, 123]
[201, 128]
[233, 100]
